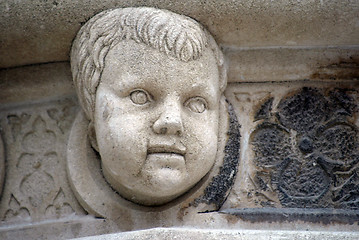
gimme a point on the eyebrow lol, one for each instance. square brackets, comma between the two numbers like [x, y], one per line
[209, 94]
[202, 86]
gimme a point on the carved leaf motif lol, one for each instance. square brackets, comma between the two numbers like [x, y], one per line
[50, 162]
[39, 171]
[303, 182]
[13, 203]
[343, 101]
[59, 208]
[20, 215]
[15, 212]
[272, 144]
[54, 113]
[40, 139]
[36, 187]
[339, 143]
[264, 111]
[16, 123]
[62, 117]
[27, 163]
[347, 194]
[319, 167]
[304, 111]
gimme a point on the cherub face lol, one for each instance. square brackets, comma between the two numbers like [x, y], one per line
[156, 122]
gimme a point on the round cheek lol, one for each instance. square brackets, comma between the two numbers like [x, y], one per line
[122, 145]
[202, 141]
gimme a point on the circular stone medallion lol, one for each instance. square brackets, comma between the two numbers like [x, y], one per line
[98, 198]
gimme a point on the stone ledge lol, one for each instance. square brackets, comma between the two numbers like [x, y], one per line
[292, 63]
[67, 228]
[246, 65]
[207, 234]
[35, 83]
[314, 215]
[41, 31]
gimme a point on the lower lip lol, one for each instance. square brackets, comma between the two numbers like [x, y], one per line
[169, 160]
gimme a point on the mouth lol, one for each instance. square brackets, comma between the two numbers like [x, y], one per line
[166, 149]
[166, 156]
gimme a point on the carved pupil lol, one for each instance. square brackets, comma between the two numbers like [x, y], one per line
[197, 105]
[306, 145]
[139, 97]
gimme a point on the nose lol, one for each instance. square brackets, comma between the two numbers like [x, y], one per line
[169, 121]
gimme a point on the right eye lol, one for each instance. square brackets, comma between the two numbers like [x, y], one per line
[196, 104]
[140, 97]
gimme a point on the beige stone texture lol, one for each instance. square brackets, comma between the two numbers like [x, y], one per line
[36, 186]
[181, 144]
[54, 186]
[67, 228]
[204, 234]
[35, 83]
[42, 31]
[16, 125]
[292, 63]
[152, 92]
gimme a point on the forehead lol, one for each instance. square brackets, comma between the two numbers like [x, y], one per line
[130, 61]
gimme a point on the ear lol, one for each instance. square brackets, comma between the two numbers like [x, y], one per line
[91, 133]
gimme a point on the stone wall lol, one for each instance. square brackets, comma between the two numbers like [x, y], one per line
[293, 70]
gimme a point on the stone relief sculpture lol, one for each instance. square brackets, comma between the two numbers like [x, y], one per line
[308, 149]
[36, 186]
[150, 83]
[154, 136]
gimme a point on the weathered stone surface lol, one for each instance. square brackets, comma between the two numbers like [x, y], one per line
[35, 83]
[217, 191]
[205, 234]
[150, 83]
[292, 63]
[42, 31]
[259, 95]
[293, 68]
[36, 186]
[324, 216]
[313, 150]
[99, 199]
[65, 228]
[303, 145]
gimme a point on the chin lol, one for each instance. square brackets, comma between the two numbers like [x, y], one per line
[166, 182]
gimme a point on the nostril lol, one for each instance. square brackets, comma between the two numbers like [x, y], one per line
[168, 122]
[163, 130]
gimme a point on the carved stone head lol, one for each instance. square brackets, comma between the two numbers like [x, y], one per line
[150, 83]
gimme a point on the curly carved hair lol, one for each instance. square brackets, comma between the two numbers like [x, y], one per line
[173, 34]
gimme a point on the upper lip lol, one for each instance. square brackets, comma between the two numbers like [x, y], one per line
[167, 148]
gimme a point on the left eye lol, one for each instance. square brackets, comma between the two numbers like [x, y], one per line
[196, 104]
[140, 97]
